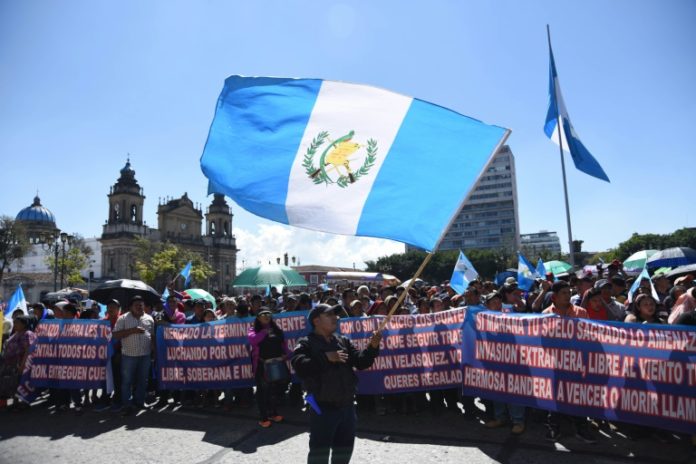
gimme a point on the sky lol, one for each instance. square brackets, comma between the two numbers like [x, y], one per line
[85, 83]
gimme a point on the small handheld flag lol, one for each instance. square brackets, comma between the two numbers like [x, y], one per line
[462, 274]
[526, 272]
[541, 269]
[643, 275]
[186, 274]
[17, 301]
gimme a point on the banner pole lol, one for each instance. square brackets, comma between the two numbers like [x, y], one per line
[405, 292]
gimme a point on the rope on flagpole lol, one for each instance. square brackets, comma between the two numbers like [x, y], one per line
[405, 292]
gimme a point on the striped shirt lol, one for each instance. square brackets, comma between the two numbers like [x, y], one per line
[139, 344]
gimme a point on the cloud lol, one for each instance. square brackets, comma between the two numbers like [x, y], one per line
[270, 241]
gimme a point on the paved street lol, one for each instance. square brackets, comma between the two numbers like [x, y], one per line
[210, 436]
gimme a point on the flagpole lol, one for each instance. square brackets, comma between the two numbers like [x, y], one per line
[559, 128]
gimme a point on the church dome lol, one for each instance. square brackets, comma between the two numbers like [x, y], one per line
[36, 213]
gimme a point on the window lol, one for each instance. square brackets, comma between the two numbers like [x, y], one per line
[212, 228]
[314, 279]
[133, 214]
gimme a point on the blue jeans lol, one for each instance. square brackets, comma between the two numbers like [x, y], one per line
[515, 411]
[135, 371]
[332, 432]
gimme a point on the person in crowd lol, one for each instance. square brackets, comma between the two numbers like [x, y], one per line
[135, 330]
[63, 397]
[198, 310]
[228, 307]
[290, 303]
[503, 411]
[268, 347]
[562, 306]
[582, 285]
[255, 303]
[615, 310]
[593, 304]
[113, 312]
[14, 356]
[644, 311]
[325, 362]
[618, 289]
[355, 309]
[686, 303]
[472, 297]
[172, 311]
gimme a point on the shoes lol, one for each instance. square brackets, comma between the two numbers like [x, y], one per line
[552, 434]
[494, 424]
[127, 411]
[163, 402]
[77, 409]
[276, 418]
[586, 435]
[265, 423]
[517, 429]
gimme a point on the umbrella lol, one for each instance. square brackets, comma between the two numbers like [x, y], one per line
[199, 293]
[557, 267]
[271, 274]
[637, 260]
[123, 290]
[682, 270]
[673, 257]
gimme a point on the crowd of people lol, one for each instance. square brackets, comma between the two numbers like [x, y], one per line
[602, 297]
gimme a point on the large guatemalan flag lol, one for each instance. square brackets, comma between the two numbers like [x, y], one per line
[582, 158]
[344, 158]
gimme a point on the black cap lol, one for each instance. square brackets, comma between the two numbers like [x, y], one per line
[135, 299]
[318, 310]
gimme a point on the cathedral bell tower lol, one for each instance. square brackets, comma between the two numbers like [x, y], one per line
[221, 243]
[124, 223]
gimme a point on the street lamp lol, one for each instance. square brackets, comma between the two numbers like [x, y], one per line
[64, 239]
[51, 244]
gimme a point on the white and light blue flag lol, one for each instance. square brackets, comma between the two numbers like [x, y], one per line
[462, 274]
[17, 301]
[186, 274]
[643, 275]
[526, 272]
[541, 269]
[345, 158]
[583, 160]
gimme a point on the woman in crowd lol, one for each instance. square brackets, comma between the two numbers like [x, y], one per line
[644, 311]
[15, 356]
[268, 354]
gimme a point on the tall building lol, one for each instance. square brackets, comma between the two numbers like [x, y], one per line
[532, 244]
[179, 222]
[489, 217]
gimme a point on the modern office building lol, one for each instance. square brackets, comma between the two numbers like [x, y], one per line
[533, 244]
[489, 217]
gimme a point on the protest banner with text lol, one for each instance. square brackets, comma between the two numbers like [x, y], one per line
[215, 354]
[417, 352]
[639, 373]
[67, 353]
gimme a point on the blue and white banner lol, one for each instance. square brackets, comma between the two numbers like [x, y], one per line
[67, 353]
[215, 354]
[417, 353]
[343, 158]
[639, 373]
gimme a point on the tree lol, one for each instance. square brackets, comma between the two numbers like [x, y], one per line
[404, 265]
[14, 243]
[71, 265]
[158, 263]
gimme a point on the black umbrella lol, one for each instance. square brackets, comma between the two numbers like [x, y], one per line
[682, 270]
[672, 257]
[123, 290]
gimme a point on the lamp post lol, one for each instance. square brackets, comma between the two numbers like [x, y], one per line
[64, 239]
[51, 244]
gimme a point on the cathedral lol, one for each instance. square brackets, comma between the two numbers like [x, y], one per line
[179, 221]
